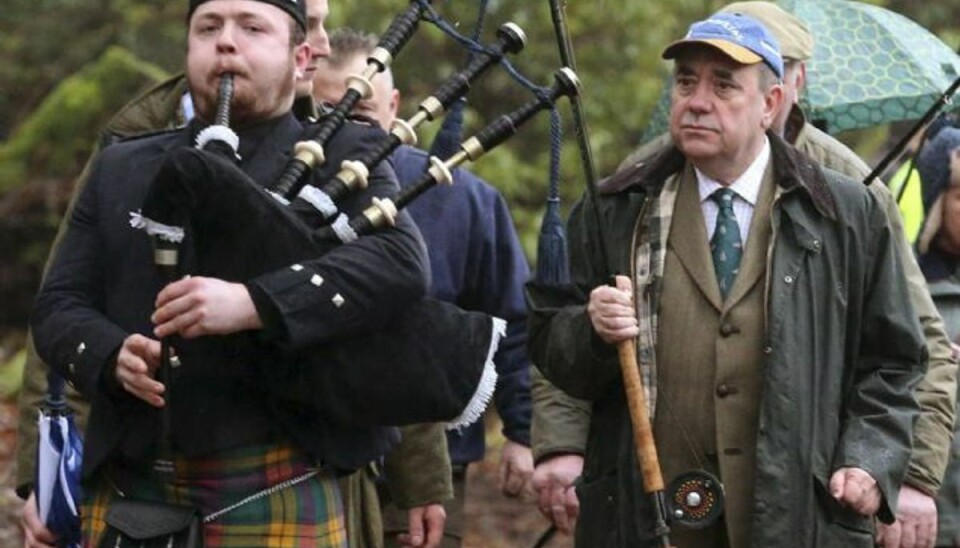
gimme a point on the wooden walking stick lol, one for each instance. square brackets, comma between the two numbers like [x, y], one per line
[643, 437]
[633, 385]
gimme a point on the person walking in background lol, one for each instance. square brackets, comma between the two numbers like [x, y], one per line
[939, 254]
[476, 262]
[788, 273]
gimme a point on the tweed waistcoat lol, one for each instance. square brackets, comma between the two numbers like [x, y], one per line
[710, 355]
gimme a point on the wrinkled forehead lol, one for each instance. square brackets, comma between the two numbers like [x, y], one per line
[706, 61]
[697, 56]
[330, 80]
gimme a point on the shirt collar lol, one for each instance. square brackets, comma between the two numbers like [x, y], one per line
[747, 186]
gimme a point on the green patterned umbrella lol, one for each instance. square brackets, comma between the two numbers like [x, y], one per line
[870, 66]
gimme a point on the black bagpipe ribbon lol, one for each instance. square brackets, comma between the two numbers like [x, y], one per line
[552, 263]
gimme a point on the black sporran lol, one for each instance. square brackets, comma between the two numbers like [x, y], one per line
[152, 525]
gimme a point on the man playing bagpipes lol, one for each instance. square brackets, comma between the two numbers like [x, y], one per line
[99, 316]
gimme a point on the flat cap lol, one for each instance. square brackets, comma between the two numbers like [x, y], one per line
[796, 42]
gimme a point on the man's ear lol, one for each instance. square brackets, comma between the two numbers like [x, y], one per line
[301, 57]
[801, 76]
[394, 104]
[772, 103]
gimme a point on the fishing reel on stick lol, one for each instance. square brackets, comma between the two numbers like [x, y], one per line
[694, 499]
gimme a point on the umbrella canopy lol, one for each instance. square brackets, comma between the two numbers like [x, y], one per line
[870, 65]
[59, 460]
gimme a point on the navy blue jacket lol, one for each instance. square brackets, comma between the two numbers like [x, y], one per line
[476, 263]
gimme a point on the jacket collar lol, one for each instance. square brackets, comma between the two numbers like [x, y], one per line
[254, 135]
[796, 123]
[793, 171]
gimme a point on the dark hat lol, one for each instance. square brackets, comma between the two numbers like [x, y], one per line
[296, 8]
[739, 37]
[933, 164]
[934, 167]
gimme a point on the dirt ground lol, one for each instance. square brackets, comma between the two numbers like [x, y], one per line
[495, 521]
[10, 535]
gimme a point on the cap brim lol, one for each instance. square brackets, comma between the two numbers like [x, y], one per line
[736, 52]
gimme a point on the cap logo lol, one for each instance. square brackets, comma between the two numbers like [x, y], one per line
[726, 25]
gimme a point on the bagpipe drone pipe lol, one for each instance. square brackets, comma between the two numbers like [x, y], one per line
[430, 363]
[352, 175]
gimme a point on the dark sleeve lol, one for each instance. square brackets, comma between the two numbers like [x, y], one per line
[880, 408]
[418, 469]
[560, 423]
[563, 344]
[937, 392]
[352, 288]
[141, 115]
[70, 332]
[499, 269]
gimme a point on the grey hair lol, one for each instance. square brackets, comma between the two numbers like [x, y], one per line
[347, 43]
[768, 78]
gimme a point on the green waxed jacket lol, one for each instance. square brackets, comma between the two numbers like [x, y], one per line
[937, 392]
[946, 295]
[560, 421]
[840, 326]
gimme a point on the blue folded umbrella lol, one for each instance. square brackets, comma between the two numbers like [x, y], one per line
[59, 460]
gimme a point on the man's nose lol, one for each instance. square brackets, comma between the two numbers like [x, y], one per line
[701, 100]
[226, 39]
[320, 44]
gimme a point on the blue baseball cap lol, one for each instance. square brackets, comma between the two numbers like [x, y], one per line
[739, 37]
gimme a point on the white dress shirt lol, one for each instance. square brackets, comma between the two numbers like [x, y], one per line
[746, 189]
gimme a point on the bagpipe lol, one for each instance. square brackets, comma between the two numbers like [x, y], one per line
[430, 363]
[353, 174]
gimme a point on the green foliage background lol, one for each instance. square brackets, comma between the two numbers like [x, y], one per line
[68, 64]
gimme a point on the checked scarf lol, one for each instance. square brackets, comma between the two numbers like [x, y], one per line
[650, 252]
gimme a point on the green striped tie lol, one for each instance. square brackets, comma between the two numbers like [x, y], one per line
[725, 246]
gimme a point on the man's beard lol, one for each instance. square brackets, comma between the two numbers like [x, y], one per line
[247, 106]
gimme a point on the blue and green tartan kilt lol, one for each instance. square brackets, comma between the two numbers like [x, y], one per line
[309, 514]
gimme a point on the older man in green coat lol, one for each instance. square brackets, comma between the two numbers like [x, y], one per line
[560, 421]
[794, 382]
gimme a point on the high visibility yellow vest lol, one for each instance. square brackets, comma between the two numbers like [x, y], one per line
[911, 202]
